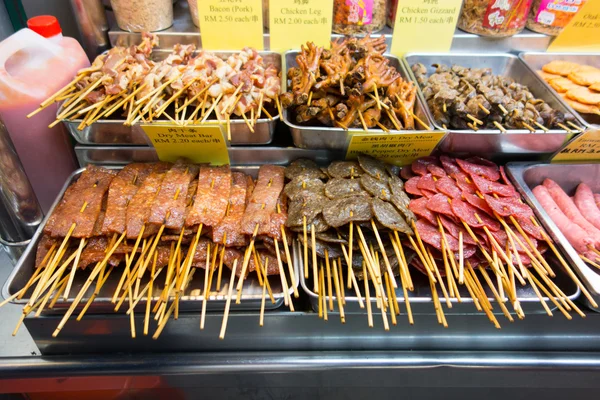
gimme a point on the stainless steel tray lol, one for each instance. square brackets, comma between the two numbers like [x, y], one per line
[493, 144]
[323, 137]
[535, 61]
[526, 176]
[421, 300]
[251, 295]
[112, 131]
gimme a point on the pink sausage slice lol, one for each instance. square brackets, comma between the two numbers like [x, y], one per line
[569, 208]
[575, 235]
[584, 200]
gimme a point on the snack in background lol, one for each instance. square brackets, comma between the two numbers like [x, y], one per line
[359, 16]
[551, 16]
[495, 18]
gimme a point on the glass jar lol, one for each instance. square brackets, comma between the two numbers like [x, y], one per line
[495, 18]
[193, 5]
[359, 16]
[265, 11]
[391, 13]
[551, 16]
[143, 15]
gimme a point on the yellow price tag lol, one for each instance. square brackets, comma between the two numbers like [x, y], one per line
[199, 144]
[230, 24]
[582, 34]
[586, 147]
[425, 25]
[396, 148]
[293, 23]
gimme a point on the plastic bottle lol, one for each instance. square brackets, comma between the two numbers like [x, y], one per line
[33, 66]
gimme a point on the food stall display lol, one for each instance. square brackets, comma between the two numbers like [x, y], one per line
[494, 18]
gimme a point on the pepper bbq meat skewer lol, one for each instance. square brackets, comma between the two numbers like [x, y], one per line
[351, 85]
[475, 98]
[190, 86]
[170, 214]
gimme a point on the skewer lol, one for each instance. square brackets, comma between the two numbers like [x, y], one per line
[472, 126]
[362, 121]
[485, 110]
[289, 261]
[383, 128]
[409, 281]
[385, 257]
[472, 118]
[221, 259]
[584, 258]
[504, 110]
[341, 279]
[352, 277]
[367, 295]
[206, 287]
[320, 291]
[542, 127]
[314, 252]
[529, 127]
[380, 104]
[423, 124]
[575, 127]
[439, 278]
[377, 96]
[500, 127]
[264, 291]
[283, 278]
[566, 128]
[392, 118]
[101, 281]
[305, 242]
[390, 296]
[167, 315]
[36, 275]
[228, 303]
[329, 288]
[210, 110]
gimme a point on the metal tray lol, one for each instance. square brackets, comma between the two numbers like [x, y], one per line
[251, 295]
[493, 144]
[528, 175]
[112, 131]
[324, 137]
[422, 302]
[535, 61]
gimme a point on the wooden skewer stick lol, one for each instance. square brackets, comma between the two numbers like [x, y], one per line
[305, 242]
[362, 121]
[350, 241]
[367, 295]
[377, 96]
[165, 318]
[87, 284]
[283, 278]
[75, 265]
[245, 263]
[221, 259]
[409, 281]
[549, 295]
[197, 95]
[289, 261]
[36, 275]
[54, 281]
[504, 110]
[383, 128]
[19, 293]
[485, 110]
[320, 292]
[101, 281]
[475, 120]
[390, 296]
[338, 292]
[352, 277]
[329, 288]
[314, 253]
[143, 292]
[575, 127]
[385, 257]
[542, 127]
[228, 303]
[423, 124]
[262, 271]
[212, 107]
[58, 294]
[149, 296]
[566, 128]
[494, 291]
[439, 278]
[529, 127]
[206, 287]
[341, 278]
[380, 104]
[500, 127]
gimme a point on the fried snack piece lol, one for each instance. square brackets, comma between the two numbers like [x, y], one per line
[584, 95]
[560, 67]
[563, 85]
[595, 87]
[547, 76]
[585, 76]
[580, 107]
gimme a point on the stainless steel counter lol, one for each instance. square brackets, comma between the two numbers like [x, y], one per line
[184, 31]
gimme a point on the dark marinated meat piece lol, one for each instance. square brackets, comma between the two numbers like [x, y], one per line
[90, 190]
[337, 188]
[406, 173]
[334, 250]
[43, 247]
[263, 202]
[344, 169]
[508, 206]
[530, 228]
[97, 231]
[411, 186]
[373, 167]
[340, 212]
[95, 251]
[485, 186]
[308, 205]
[229, 228]
[449, 165]
[232, 254]
[376, 187]
[277, 220]
[448, 187]
[419, 207]
[401, 201]
[393, 170]
[419, 166]
[304, 168]
[396, 185]
[454, 229]
[120, 192]
[212, 196]
[388, 216]
[170, 201]
[138, 210]
[436, 171]
[439, 204]
[487, 171]
[504, 177]
[331, 237]
[468, 214]
[427, 182]
[300, 185]
[200, 254]
[477, 202]
[318, 224]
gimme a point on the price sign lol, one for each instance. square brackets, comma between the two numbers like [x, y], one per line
[582, 34]
[586, 147]
[295, 22]
[230, 24]
[425, 25]
[199, 144]
[396, 148]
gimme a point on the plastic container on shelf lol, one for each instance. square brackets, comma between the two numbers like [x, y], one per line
[391, 13]
[143, 15]
[359, 16]
[551, 16]
[495, 18]
[193, 6]
[33, 67]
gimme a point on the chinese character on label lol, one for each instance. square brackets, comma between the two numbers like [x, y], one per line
[495, 19]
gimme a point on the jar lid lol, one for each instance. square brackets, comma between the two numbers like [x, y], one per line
[45, 25]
